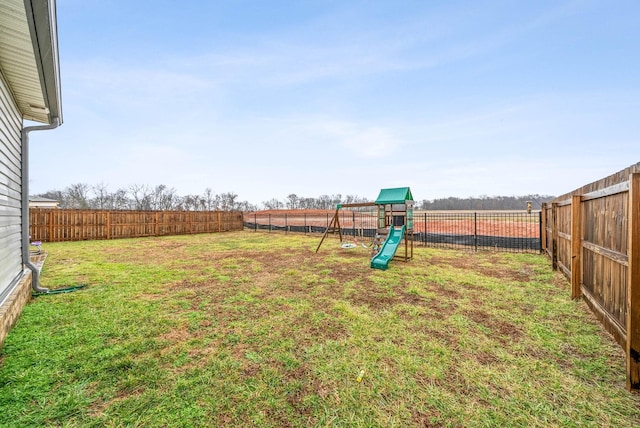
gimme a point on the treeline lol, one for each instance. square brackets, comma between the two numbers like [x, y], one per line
[159, 198]
[294, 201]
[485, 203]
[145, 198]
[322, 202]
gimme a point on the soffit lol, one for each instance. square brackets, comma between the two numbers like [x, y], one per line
[18, 62]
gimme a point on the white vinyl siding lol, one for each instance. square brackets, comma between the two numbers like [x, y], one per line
[10, 189]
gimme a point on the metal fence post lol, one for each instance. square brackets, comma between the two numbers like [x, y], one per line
[353, 223]
[475, 230]
[540, 231]
[424, 231]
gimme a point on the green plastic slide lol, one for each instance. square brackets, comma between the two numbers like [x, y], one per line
[388, 250]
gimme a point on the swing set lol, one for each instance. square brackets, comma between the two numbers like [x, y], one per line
[393, 227]
[358, 232]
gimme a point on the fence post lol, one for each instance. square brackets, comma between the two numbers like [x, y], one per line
[424, 231]
[286, 224]
[305, 223]
[576, 246]
[475, 230]
[540, 230]
[543, 227]
[269, 222]
[353, 224]
[633, 285]
[255, 222]
[554, 235]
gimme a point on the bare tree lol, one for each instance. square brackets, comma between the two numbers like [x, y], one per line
[163, 198]
[141, 196]
[103, 199]
[293, 202]
[120, 200]
[324, 202]
[211, 201]
[190, 202]
[77, 195]
[273, 204]
[228, 201]
[247, 207]
[307, 203]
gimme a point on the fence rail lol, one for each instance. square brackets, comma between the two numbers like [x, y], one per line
[514, 231]
[56, 225]
[592, 235]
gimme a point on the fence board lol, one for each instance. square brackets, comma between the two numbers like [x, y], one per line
[609, 258]
[56, 225]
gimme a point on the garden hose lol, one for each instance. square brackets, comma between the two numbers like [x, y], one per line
[61, 290]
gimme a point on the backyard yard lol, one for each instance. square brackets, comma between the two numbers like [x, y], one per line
[256, 329]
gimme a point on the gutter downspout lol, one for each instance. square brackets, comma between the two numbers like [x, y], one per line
[35, 273]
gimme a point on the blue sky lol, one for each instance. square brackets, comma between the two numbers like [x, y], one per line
[268, 98]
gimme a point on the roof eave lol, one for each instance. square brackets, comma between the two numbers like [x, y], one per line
[41, 17]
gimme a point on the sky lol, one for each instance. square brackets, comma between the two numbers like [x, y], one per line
[268, 98]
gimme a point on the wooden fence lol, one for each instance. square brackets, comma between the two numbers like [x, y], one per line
[56, 225]
[592, 235]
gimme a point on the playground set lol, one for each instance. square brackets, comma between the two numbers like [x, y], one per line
[394, 227]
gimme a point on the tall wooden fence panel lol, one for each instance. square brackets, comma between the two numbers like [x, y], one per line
[55, 225]
[593, 237]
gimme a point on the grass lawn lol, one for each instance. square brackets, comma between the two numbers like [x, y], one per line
[255, 329]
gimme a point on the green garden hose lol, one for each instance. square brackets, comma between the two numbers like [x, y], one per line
[61, 290]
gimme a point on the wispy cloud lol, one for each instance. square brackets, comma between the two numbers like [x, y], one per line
[359, 139]
[129, 86]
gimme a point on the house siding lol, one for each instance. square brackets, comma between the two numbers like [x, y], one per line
[10, 190]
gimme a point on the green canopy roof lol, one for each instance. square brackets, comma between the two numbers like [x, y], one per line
[396, 195]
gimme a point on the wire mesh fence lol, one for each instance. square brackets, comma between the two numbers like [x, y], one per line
[513, 231]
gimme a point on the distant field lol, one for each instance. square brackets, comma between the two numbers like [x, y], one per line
[256, 329]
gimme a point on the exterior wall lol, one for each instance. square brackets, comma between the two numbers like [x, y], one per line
[12, 307]
[10, 190]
